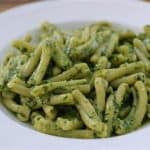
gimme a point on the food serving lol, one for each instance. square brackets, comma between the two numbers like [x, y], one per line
[91, 82]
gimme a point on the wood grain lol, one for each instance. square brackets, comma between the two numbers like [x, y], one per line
[6, 4]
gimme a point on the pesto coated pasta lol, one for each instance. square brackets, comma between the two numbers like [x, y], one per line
[91, 82]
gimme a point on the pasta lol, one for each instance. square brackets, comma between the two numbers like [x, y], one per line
[91, 82]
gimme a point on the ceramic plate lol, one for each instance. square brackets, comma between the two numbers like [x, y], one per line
[14, 23]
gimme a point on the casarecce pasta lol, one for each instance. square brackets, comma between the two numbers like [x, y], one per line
[91, 82]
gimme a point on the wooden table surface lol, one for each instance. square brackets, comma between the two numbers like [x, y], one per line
[6, 4]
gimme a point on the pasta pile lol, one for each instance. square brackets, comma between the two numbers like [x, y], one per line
[91, 82]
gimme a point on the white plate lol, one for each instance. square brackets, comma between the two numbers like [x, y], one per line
[13, 23]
